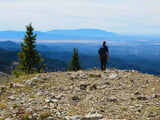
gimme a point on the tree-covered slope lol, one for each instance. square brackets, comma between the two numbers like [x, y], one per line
[7, 58]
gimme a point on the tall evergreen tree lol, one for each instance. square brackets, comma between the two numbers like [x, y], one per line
[29, 58]
[74, 64]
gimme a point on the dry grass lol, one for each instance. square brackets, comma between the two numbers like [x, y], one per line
[2, 105]
[23, 77]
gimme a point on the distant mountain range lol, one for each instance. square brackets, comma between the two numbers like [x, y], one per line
[78, 34]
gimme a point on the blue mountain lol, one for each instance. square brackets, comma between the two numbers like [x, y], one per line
[78, 34]
[83, 32]
[12, 34]
[10, 45]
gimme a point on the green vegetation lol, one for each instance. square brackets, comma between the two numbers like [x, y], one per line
[44, 115]
[29, 57]
[15, 106]
[16, 73]
[26, 117]
[2, 118]
[74, 64]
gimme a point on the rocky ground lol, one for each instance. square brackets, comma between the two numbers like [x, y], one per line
[83, 95]
[4, 78]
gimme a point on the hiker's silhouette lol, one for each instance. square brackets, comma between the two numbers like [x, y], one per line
[103, 54]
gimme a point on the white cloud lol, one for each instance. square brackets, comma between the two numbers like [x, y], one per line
[128, 16]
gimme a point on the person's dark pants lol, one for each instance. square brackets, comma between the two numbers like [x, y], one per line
[103, 62]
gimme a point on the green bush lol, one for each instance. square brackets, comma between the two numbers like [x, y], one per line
[44, 115]
[16, 73]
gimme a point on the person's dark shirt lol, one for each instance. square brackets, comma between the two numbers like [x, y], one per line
[106, 47]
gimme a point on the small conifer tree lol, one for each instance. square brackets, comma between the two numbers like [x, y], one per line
[74, 64]
[29, 57]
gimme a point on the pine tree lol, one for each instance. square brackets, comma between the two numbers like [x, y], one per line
[29, 58]
[74, 64]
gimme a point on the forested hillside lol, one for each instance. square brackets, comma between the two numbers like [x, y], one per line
[8, 61]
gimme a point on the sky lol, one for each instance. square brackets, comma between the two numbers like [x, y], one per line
[119, 16]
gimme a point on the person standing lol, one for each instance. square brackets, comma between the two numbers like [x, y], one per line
[103, 54]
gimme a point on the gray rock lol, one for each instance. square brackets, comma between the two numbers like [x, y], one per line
[11, 98]
[48, 77]
[3, 89]
[98, 75]
[74, 117]
[83, 86]
[107, 83]
[95, 75]
[113, 76]
[50, 118]
[38, 75]
[84, 76]
[42, 78]
[112, 99]
[60, 96]
[137, 93]
[38, 94]
[18, 85]
[141, 97]
[8, 119]
[155, 96]
[94, 78]
[153, 89]
[29, 110]
[93, 87]
[76, 98]
[92, 116]
[11, 85]
[75, 75]
[32, 81]
[47, 100]
[64, 112]
[53, 100]
[53, 97]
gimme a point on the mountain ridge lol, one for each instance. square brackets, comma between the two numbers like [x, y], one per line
[84, 32]
[80, 34]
